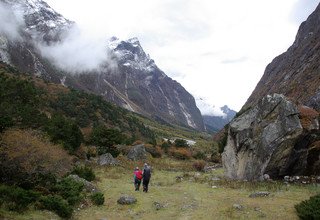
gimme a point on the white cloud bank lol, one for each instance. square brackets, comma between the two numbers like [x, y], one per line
[10, 22]
[78, 52]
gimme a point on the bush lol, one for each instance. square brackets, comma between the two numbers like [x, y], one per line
[70, 190]
[97, 198]
[166, 145]
[17, 199]
[56, 204]
[199, 155]
[20, 102]
[215, 156]
[180, 143]
[64, 131]
[180, 153]
[222, 143]
[84, 172]
[309, 209]
[155, 151]
[106, 139]
[199, 165]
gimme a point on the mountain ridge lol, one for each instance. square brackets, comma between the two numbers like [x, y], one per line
[136, 83]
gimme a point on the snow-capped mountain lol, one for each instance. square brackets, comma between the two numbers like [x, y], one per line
[216, 123]
[130, 78]
[139, 85]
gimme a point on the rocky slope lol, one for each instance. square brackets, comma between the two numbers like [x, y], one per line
[133, 82]
[295, 73]
[278, 134]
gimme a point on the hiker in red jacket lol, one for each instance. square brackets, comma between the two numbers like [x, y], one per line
[137, 178]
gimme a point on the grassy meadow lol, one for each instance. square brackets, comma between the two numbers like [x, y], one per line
[193, 195]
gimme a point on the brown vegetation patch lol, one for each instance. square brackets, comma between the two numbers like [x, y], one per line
[307, 116]
[34, 153]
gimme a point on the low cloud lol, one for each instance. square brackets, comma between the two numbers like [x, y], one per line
[10, 22]
[78, 52]
[209, 109]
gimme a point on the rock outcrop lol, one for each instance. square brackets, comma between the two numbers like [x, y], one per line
[138, 152]
[270, 139]
[107, 159]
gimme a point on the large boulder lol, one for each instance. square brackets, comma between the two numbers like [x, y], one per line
[126, 200]
[88, 186]
[138, 152]
[268, 138]
[107, 159]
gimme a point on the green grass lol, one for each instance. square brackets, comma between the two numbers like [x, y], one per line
[192, 198]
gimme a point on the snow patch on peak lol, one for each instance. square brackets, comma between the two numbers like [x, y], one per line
[134, 41]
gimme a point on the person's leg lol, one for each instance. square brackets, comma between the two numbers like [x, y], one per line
[145, 185]
[136, 185]
[139, 183]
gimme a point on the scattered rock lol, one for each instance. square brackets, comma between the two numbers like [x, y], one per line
[179, 178]
[158, 205]
[257, 209]
[88, 186]
[211, 168]
[302, 179]
[188, 206]
[215, 178]
[137, 152]
[214, 187]
[238, 207]
[259, 194]
[107, 159]
[266, 177]
[126, 200]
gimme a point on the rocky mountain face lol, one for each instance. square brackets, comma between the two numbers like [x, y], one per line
[133, 81]
[278, 134]
[216, 123]
[295, 73]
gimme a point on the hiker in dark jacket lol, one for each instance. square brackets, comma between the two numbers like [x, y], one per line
[137, 176]
[146, 177]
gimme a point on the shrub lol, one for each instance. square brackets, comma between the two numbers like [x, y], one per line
[199, 165]
[180, 143]
[309, 209]
[17, 199]
[19, 105]
[155, 151]
[215, 156]
[166, 145]
[64, 131]
[56, 204]
[97, 198]
[198, 154]
[222, 143]
[106, 139]
[70, 190]
[180, 153]
[84, 172]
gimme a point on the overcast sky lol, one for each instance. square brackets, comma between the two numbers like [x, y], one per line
[216, 49]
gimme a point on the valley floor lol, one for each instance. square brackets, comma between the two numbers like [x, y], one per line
[196, 196]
